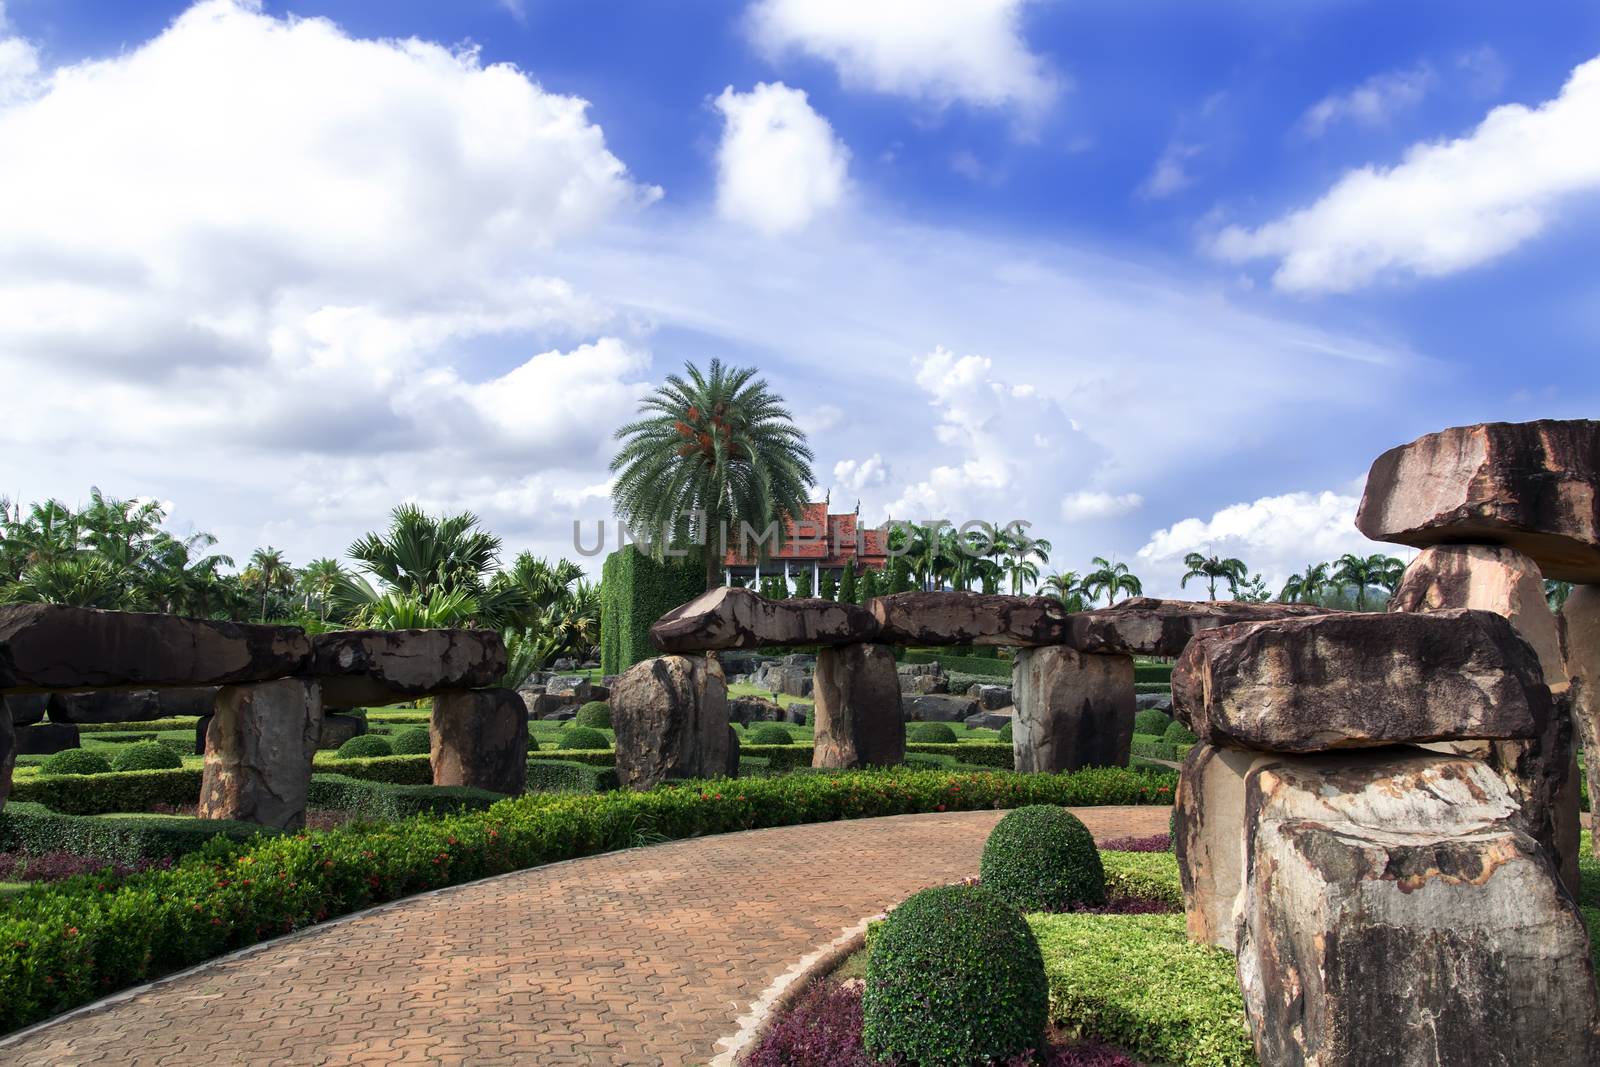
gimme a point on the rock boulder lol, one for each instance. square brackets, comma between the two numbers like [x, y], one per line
[24, 709]
[858, 720]
[1148, 626]
[937, 707]
[259, 745]
[737, 618]
[479, 738]
[44, 738]
[670, 715]
[1072, 710]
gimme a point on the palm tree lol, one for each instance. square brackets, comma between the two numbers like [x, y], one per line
[1110, 578]
[1233, 571]
[1068, 588]
[179, 581]
[320, 581]
[1363, 572]
[420, 553]
[710, 452]
[269, 571]
[1556, 593]
[85, 582]
[1305, 587]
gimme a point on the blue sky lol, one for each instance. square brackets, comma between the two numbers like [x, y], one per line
[1152, 276]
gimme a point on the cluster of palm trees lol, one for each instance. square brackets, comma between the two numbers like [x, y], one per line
[1351, 581]
[1105, 578]
[979, 557]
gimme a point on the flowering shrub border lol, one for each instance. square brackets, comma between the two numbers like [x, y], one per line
[82, 938]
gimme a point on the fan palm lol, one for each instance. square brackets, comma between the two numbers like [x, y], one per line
[420, 553]
[711, 452]
[1110, 578]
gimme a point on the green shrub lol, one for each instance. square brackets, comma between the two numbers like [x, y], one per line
[75, 761]
[596, 714]
[1139, 982]
[770, 733]
[1149, 748]
[385, 800]
[122, 791]
[1179, 734]
[602, 757]
[411, 741]
[1164, 688]
[636, 590]
[787, 756]
[954, 977]
[1042, 858]
[996, 754]
[365, 746]
[533, 743]
[398, 770]
[582, 737]
[146, 756]
[1146, 875]
[1152, 673]
[1005, 733]
[932, 733]
[176, 723]
[569, 776]
[35, 829]
[1151, 721]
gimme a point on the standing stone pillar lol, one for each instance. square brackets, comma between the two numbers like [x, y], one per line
[258, 752]
[1208, 835]
[1580, 618]
[8, 753]
[479, 738]
[1542, 773]
[859, 721]
[670, 715]
[1074, 710]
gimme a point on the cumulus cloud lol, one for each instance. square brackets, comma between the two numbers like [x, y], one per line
[941, 51]
[1171, 172]
[1089, 504]
[779, 163]
[857, 475]
[19, 64]
[1446, 207]
[1372, 103]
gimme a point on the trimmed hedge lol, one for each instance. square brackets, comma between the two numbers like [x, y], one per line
[581, 737]
[411, 741]
[635, 591]
[1152, 672]
[594, 757]
[399, 770]
[1164, 688]
[383, 800]
[1179, 734]
[34, 828]
[932, 733]
[1151, 721]
[119, 791]
[365, 746]
[76, 761]
[145, 756]
[996, 754]
[179, 722]
[596, 714]
[128, 930]
[769, 733]
[979, 665]
[1147, 875]
[779, 758]
[1042, 857]
[1156, 749]
[569, 776]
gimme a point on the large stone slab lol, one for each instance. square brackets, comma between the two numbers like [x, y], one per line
[259, 745]
[1358, 680]
[1534, 486]
[1395, 914]
[479, 738]
[1209, 837]
[1148, 626]
[105, 705]
[1073, 710]
[738, 618]
[24, 709]
[1580, 617]
[50, 646]
[858, 715]
[45, 738]
[365, 667]
[957, 618]
[670, 715]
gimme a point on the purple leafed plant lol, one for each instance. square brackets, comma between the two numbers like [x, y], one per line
[54, 866]
[1153, 843]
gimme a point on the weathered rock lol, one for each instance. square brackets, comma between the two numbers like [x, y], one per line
[337, 729]
[105, 705]
[793, 681]
[364, 667]
[735, 662]
[1154, 702]
[738, 618]
[746, 710]
[937, 707]
[565, 664]
[990, 720]
[1394, 914]
[259, 745]
[599, 692]
[44, 738]
[202, 725]
[858, 719]
[50, 646]
[993, 697]
[731, 769]
[798, 712]
[670, 715]
[24, 709]
[571, 688]
[923, 681]
[546, 706]
[957, 618]
[1072, 710]
[1580, 618]
[1534, 486]
[1208, 834]
[1357, 680]
[176, 703]
[479, 738]
[1148, 626]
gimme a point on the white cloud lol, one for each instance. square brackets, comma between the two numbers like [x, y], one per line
[1447, 207]
[1372, 103]
[941, 51]
[856, 476]
[820, 419]
[19, 64]
[1171, 172]
[779, 163]
[1090, 504]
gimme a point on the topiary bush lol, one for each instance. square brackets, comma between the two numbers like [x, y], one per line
[1179, 734]
[1151, 721]
[1042, 858]
[954, 976]
[533, 743]
[366, 746]
[769, 733]
[933, 733]
[412, 741]
[75, 761]
[146, 756]
[582, 737]
[596, 715]
[1005, 733]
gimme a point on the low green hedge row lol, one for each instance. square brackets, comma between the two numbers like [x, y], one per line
[979, 665]
[1155, 748]
[1152, 672]
[569, 776]
[119, 791]
[176, 723]
[1152, 687]
[779, 758]
[72, 941]
[397, 770]
[384, 800]
[33, 828]
[996, 754]
[594, 757]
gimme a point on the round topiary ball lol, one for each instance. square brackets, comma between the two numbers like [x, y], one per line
[1179, 734]
[1005, 733]
[954, 977]
[582, 737]
[145, 756]
[412, 741]
[933, 733]
[366, 746]
[1152, 722]
[75, 761]
[596, 714]
[1043, 858]
[770, 733]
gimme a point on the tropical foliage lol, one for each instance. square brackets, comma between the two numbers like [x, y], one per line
[1110, 578]
[1210, 569]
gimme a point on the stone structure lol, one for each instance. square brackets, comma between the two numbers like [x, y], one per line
[738, 618]
[479, 737]
[358, 668]
[1146, 626]
[1580, 619]
[858, 720]
[670, 715]
[968, 619]
[259, 745]
[1073, 710]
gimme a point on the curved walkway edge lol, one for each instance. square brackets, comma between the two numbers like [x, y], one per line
[669, 955]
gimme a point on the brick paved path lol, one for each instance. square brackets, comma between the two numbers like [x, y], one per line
[640, 957]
